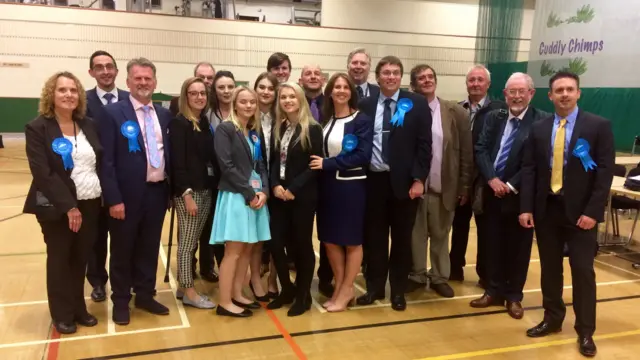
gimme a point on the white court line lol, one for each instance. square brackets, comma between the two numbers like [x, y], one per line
[111, 326]
[617, 268]
[172, 283]
[39, 302]
[362, 307]
[89, 337]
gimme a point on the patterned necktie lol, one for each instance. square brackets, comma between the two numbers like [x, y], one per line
[360, 92]
[150, 135]
[314, 109]
[109, 97]
[506, 149]
[386, 129]
[558, 158]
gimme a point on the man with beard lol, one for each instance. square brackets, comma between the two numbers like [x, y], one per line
[447, 186]
[566, 178]
[499, 153]
[135, 186]
[478, 105]
[204, 71]
[279, 65]
[103, 68]
[358, 67]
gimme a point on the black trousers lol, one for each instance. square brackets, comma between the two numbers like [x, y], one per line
[67, 254]
[292, 225]
[384, 211]
[552, 232]
[135, 244]
[208, 251]
[325, 273]
[508, 250]
[460, 239]
[97, 260]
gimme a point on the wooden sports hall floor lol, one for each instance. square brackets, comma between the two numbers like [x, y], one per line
[430, 328]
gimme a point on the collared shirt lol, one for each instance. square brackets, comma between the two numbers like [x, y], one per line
[568, 131]
[377, 164]
[508, 129]
[319, 102]
[265, 122]
[473, 109]
[153, 174]
[365, 89]
[101, 94]
[437, 142]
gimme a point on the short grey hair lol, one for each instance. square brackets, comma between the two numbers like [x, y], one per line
[520, 75]
[481, 67]
[203, 63]
[143, 62]
[359, 50]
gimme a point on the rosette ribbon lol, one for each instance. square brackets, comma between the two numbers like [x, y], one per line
[349, 143]
[404, 106]
[581, 151]
[131, 130]
[63, 147]
[257, 150]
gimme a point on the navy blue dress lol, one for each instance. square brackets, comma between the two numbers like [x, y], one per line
[342, 185]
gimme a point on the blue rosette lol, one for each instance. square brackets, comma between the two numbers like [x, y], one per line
[349, 143]
[257, 150]
[63, 147]
[581, 151]
[404, 106]
[131, 130]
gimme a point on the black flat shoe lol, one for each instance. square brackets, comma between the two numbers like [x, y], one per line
[285, 298]
[272, 294]
[87, 320]
[299, 307]
[99, 294]
[543, 329]
[586, 346]
[369, 298]
[65, 327]
[224, 312]
[254, 305]
[121, 315]
[264, 298]
[398, 303]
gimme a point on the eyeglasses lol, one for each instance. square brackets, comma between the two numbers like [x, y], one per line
[514, 92]
[108, 67]
[196, 93]
[387, 73]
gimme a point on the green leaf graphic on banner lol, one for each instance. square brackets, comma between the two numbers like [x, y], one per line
[553, 20]
[584, 15]
[577, 66]
[546, 69]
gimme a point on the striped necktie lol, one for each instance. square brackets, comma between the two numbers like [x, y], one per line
[506, 148]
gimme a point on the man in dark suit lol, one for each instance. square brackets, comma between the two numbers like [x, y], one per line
[103, 68]
[395, 181]
[136, 190]
[499, 153]
[358, 67]
[566, 178]
[478, 105]
[203, 70]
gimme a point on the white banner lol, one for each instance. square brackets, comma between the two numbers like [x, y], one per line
[599, 40]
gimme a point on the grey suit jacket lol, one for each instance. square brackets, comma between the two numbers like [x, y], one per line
[236, 162]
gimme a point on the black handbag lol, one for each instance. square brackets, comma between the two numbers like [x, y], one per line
[632, 184]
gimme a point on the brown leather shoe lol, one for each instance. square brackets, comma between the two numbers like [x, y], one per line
[486, 301]
[515, 310]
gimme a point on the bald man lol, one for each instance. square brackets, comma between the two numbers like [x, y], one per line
[312, 80]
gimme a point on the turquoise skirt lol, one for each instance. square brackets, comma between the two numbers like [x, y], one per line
[235, 221]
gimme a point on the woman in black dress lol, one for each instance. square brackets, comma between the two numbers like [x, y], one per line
[348, 141]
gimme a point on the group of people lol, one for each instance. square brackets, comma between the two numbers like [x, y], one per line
[248, 170]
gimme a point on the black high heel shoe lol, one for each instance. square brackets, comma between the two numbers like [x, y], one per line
[264, 298]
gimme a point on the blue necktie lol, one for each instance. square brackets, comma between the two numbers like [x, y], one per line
[315, 111]
[506, 149]
[109, 97]
[386, 129]
[150, 135]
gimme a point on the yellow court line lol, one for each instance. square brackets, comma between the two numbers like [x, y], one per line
[528, 346]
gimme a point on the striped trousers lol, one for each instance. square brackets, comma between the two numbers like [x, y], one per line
[189, 230]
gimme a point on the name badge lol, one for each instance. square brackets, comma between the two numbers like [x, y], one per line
[255, 182]
[209, 170]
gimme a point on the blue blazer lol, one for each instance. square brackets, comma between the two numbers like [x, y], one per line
[124, 173]
[94, 104]
[353, 165]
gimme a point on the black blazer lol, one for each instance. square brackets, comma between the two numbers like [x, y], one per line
[50, 179]
[236, 161]
[489, 144]
[94, 104]
[299, 178]
[410, 145]
[585, 192]
[191, 153]
[479, 120]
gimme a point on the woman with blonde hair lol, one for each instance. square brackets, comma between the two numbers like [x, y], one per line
[64, 154]
[296, 138]
[242, 219]
[192, 169]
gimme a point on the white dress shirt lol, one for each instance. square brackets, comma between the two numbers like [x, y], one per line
[101, 94]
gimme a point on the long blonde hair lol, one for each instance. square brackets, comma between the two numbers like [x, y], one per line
[305, 119]
[183, 102]
[254, 122]
[46, 106]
